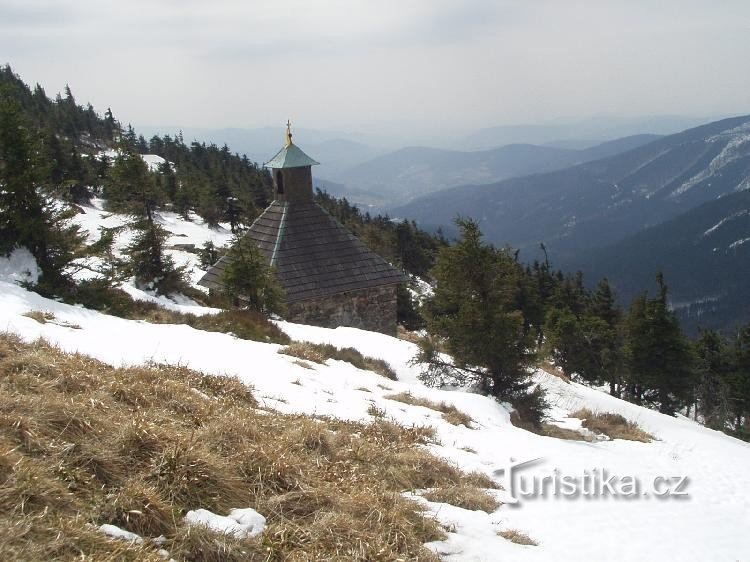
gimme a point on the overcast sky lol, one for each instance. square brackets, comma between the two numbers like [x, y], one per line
[349, 64]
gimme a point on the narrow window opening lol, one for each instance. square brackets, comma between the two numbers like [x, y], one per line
[279, 182]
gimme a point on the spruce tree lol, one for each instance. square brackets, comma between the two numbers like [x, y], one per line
[604, 320]
[130, 187]
[147, 261]
[739, 381]
[208, 255]
[583, 333]
[712, 369]
[27, 218]
[248, 281]
[474, 314]
[111, 127]
[660, 362]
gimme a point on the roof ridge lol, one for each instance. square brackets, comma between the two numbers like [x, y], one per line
[280, 234]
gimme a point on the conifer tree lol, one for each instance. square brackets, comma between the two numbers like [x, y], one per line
[609, 353]
[248, 281]
[147, 261]
[130, 187]
[739, 381]
[659, 358]
[208, 255]
[27, 218]
[712, 370]
[584, 335]
[110, 125]
[581, 329]
[474, 313]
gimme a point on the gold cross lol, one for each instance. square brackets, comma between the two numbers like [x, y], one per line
[288, 132]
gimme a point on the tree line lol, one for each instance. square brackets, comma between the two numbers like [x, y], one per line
[496, 318]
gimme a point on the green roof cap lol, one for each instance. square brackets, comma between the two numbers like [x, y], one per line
[290, 157]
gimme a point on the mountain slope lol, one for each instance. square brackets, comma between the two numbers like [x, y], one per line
[616, 146]
[413, 171]
[709, 526]
[599, 203]
[601, 127]
[410, 172]
[704, 255]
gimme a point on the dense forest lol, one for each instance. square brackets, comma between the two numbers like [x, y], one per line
[496, 317]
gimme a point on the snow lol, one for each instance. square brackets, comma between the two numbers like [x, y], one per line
[735, 148]
[19, 267]
[710, 524]
[738, 243]
[242, 523]
[117, 533]
[733, 216]
[93, 218]
[153, 161]
[178, 303]
[474, 536]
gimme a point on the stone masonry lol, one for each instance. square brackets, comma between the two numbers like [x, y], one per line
[372, 309]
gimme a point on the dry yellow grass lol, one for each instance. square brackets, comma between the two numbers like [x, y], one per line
[467, 497]
[82, 444]
[39, 316]
[613, 426]
[517, 537]
[451, 414]
[375, 411]
[49, 318]
[404, 334]
[554, 371]
[549, 430]
[319, 353]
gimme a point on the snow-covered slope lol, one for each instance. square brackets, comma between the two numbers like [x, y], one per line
[708, 524]
[195, 233]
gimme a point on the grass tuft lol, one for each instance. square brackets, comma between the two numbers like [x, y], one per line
[39, 316]
[49, 318]
[451, 414]
[517, 537]
[613, 426]
[553, 370]
[466, 497]
[375, 411]
[320, 353]
[244, 324]
[549, 429]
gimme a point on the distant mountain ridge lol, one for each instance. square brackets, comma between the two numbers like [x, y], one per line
[598, 127]
[592, 205]
[410, 172]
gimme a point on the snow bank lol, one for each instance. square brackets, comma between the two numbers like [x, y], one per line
[117, 533]
[153, 161]
[242, 523]
[181, 232]
[19, 267]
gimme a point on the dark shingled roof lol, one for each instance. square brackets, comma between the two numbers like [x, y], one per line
[313, 253]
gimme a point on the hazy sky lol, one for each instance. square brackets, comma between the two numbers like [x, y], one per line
[350, 64]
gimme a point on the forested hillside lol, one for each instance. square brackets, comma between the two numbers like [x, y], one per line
[596, 204]
[705, 253]
[392, 179]
[79, 149]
